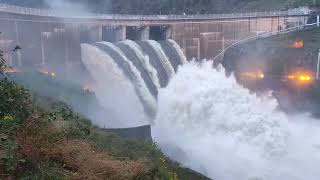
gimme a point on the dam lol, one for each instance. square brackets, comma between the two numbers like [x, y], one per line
[143, 74]
[41, 32]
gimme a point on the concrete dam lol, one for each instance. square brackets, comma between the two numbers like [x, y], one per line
[127, 56]
[128, 74]
[139, 66]
[53, 40]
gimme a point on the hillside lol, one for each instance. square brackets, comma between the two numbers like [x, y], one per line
[277, 57]
[169, 6]
[42, 138]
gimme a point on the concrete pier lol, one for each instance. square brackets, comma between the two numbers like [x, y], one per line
[121, 33]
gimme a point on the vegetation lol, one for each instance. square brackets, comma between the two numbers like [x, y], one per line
[175, 6]
[278, 57]
[201, 6]
[44, 139]
[2, 63]
[270, 50]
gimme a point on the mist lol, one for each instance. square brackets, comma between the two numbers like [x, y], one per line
[68, 7]
[211, 124]
[114, 91]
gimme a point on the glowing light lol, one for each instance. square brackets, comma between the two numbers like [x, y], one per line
[88, 88]
[304, 78]
[261, 76]
[308, 78]
[10, 70]
[291, 77]
[297, 44]
[301, 78]
[43, 71]
[253, 75]
[46, 72]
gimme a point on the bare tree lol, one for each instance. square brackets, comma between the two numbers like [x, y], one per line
[2, 63]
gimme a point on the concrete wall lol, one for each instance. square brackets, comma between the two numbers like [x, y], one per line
[55, 42]
[206, 40]
[137, 33]
[142, 133]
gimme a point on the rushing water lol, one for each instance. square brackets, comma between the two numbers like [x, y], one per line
[129, 77]
[211, 124]
[200, 118]
[113, 89]
[144, 60]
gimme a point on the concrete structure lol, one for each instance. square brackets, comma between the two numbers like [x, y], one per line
[48, 37]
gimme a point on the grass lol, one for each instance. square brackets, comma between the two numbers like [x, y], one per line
[47, 140]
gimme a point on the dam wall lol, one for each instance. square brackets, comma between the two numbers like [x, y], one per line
[49, 40]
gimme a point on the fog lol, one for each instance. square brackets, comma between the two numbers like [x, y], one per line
[114, 90]
[204, 120]
[211, 124]
[67, 7]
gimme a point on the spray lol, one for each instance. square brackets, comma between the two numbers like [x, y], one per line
[211, 124]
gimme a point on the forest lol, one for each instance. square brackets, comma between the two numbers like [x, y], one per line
[172, 6]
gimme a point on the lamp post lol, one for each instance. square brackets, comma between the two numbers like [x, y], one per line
[318, 65]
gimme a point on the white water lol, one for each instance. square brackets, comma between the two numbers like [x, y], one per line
[113, 90]
[145, 94]
[144, 60]
[162, 56]
[212, 125]
[178, 48]
[47, 35]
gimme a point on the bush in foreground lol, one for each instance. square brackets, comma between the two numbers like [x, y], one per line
[44, 139]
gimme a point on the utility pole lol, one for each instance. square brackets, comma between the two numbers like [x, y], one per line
[318, 65]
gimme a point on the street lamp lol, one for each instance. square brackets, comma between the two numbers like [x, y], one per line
[318, 65]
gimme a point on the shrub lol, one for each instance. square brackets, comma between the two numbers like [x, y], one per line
[14, 103]
[2, 64]
[44, 139]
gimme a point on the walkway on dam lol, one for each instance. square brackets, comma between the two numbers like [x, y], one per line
[51, 13]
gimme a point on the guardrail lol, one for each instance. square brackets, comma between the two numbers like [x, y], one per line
[52, 13]
[261, 36]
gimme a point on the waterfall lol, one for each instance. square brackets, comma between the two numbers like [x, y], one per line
[162, 56]
[113, 90]
[176, 46]
[139, 68]
[209, 123]
[155, 62]
[137, 61]
[144, 58]
[173, 52]
[132, 74]
[205, 121]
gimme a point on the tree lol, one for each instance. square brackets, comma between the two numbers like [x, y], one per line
[2, 63]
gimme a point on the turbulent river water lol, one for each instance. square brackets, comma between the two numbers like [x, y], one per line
[200, 118]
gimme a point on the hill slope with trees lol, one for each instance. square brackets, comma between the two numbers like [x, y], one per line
[173, 6]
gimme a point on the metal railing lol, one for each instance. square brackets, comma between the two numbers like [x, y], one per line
[51, 13]
[261, 36]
